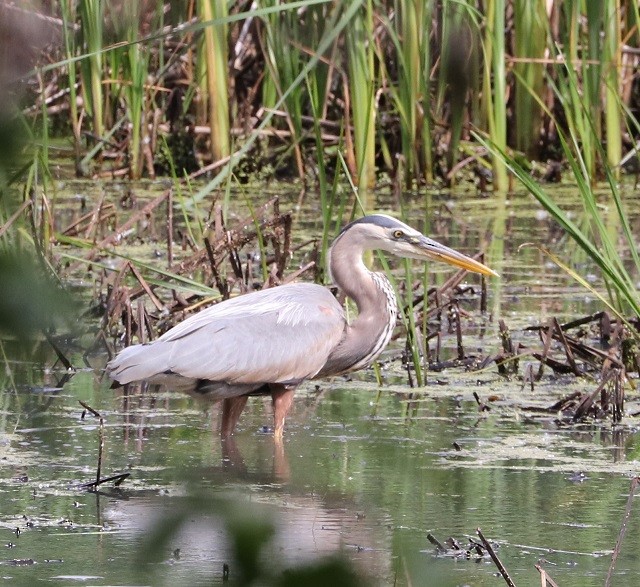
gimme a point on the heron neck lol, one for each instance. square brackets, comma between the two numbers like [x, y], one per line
[370, 332]
[352, 276]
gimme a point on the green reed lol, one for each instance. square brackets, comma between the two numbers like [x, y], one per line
[530, 47]
[215, 57]
[405, 77]
[91, 30]
[68, 12]
[284, 59]
[612, 59]
[494, 86]
[132, 64]
[337, 22]
[325, 192]
[182, 191]
[593, 236]
[360, 58]
[458, 74]
[409, 34]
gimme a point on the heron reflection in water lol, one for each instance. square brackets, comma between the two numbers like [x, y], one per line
[272, 340]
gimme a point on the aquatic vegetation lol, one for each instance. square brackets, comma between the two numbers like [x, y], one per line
[338, 95]
[398, 85]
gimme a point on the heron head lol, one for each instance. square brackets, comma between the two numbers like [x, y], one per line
[379, 231]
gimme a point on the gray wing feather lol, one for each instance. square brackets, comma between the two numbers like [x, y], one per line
[279, 335]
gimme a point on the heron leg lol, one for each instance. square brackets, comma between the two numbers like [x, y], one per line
[281, 398]
[231, 409]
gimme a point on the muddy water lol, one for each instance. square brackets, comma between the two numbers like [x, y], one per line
[361, 474]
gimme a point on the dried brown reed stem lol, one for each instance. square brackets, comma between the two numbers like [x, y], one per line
[221, 245]
[14, 216]
[106, 211]
[170, 228]
[455, 314]
[545, 579]
[89, 409]
[482, 407]
[495, 559]
[623, 530]
[431, 538]
[118, 479]
[122, 231]
[587, 400]
[61, 356]
[565, 345]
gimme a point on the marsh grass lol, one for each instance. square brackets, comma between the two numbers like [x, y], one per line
[91, 17]
[409, 33]
[284, 59]
[324, 91]
[135, 73]
[593, 236]
[531, 42]
[359, 42]
[495, 69]
[405, 80]
[215, 57]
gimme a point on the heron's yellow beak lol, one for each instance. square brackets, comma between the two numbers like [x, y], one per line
[426, 247]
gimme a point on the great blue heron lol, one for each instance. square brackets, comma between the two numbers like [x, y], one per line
[271, 340]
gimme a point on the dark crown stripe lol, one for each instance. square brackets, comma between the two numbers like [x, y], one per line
[375, 219]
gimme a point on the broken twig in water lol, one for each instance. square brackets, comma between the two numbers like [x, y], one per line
[623, 530]
[118, 479]
[545, 579]
[482, 407]
[101, 439]
[61, 356]
[495, 559]
[439, 546]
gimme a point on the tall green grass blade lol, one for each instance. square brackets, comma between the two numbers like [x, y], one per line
[359, 39]
[91, 25]
[284, 60]
[326, 201]
[410, 34]
[612, 61]
[530, 38]
[495, 69]
[214, 13]
[589, 287]
[607, 260]
[68, 20]
[132, 62]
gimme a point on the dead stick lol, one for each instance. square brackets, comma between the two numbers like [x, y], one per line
[15, 215]
[545, 579]
[101, 437]
[61, 356]
[431, 538]
[170, 229]
[483, 291]
[147, 288]
[623, 531]
[120, 233]
[292, 276]
[118, 479]
[74, 227]
[565, 343]
[458, 325]
[495, 559]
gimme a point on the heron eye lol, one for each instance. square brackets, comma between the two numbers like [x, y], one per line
[398, 234]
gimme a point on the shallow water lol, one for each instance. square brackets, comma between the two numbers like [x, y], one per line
[356, 476]
[363, 473]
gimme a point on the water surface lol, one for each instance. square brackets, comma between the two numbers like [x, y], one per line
[364, 473]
